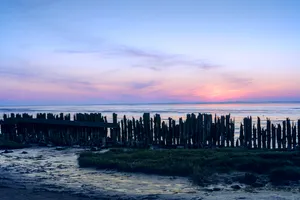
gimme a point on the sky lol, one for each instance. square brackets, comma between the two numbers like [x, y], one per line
[149, 51]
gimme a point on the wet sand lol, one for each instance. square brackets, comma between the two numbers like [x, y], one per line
[45, 173]
[24, 194]
[27, 194]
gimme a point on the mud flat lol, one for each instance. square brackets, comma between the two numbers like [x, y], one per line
[23, 194]
[257, 168]
[46, 173]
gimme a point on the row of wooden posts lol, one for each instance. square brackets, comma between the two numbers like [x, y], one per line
[196, 131]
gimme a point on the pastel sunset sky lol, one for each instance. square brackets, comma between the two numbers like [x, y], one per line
[128, 51]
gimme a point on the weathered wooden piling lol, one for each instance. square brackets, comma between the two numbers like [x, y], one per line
[264, 138]
[241, 135]
[273, 137]
[294, 136]
[254, 137]
[232, 130]
[289, 134]
[298, 132]
[279, 139]
[259, 134]
[268, 134]
[284, 135]
[197, 131]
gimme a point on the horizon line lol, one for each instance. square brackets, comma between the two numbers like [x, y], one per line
[154, 103]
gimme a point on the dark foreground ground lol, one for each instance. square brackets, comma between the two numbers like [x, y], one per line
[23, 194]
[56, 169]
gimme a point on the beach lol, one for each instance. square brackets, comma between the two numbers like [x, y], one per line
[23, 194]
[45, 173]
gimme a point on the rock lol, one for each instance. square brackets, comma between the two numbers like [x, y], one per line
[248, 179]
[236, 187]
[216, 189]
[94, 149]
[208, 189]
[212, 189]
[60, 148]
[24, 152]
[257, 185]
[8, 151]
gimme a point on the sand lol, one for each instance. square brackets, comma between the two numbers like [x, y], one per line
[24, 194]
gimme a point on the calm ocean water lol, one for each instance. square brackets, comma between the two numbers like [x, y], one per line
[276, 112]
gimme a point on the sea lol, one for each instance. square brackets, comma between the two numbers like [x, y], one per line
[46, 169]
[277, 112]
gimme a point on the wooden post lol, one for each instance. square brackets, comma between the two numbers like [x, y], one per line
[254, 137]
[142, 133]
[157, 129]
[284, 135]
[114, 130]
[232, 132]
[181, 131]
[177, 132]
[289, 134]
[294, 133]
[188, 129]
[173, 132]
[125, 131]
[169, 135]
[227, 130]
[279, 140]
[258, 133]
[147, 131]
[134, 131]
[246, 140]
[197, 136]
[241, 135]
[273, 137]
[223, 135]
[298, 132]
[218, 127]
[130, 142]
[193, 129]
[264, 138]
[268, 134]
[151, 131]
[209, 131]
[122, 132]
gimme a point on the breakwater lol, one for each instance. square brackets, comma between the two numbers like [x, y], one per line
[194, 131]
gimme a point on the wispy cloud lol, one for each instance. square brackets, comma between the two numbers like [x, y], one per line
[156, 60]
[140, 57]
[143, 85]
[143, 58]
[28, 73]
[236, 80]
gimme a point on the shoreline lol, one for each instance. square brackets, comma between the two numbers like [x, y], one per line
[8, 193]
[27, 194]
[48, 181]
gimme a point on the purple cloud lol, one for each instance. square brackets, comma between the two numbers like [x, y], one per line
[31, 74]
[143, 85]
[236, 80]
